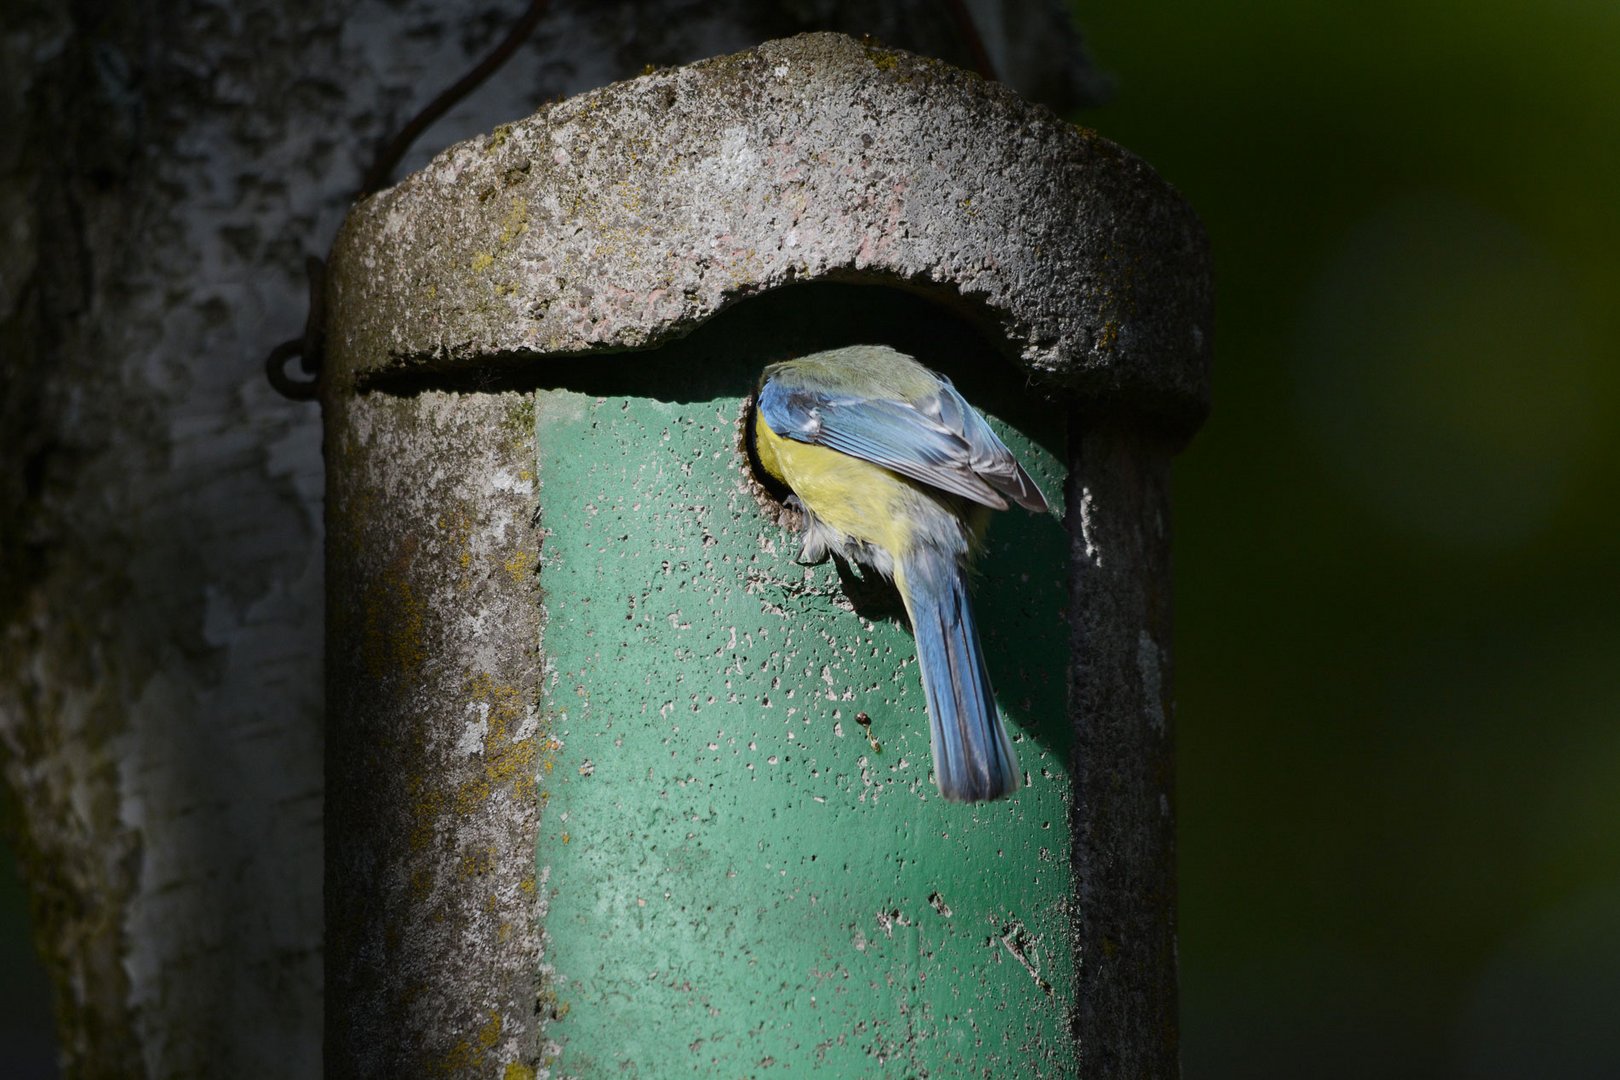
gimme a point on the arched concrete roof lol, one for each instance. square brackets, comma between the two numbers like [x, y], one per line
[627, 216]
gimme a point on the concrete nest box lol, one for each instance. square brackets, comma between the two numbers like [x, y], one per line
[600, 796]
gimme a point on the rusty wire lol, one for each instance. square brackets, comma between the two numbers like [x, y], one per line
[309, 347]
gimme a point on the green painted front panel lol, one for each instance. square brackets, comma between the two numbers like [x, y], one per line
[735, 883]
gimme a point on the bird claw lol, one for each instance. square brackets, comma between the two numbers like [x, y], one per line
[814, 550]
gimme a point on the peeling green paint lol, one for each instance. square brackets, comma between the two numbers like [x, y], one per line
[735, 878]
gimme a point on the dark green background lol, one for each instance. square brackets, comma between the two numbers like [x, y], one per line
[1398, 647]
[1397, 634]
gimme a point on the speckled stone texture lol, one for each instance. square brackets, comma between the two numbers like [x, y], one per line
[433, 628]
[626, 216]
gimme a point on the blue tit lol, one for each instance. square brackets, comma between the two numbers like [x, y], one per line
[894, 471]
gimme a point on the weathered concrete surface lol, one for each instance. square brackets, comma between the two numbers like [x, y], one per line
[1123, 768]
[430, 812]
[624, 217]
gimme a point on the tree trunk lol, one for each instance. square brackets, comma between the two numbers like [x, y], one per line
[164, 171]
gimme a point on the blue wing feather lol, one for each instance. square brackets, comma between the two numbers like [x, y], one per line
[939, 440]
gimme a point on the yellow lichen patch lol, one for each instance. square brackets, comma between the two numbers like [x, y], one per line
[518, 1071]
[460, 1058]
[520, 566]
[508, 760]
[395, 618]
[477, 862]
[458, 524]
[423, 881]
[519, 424]
[427, 803]
[464, 1056]
[482, 261]
[630, 195]
[882, 59]
[516, 221]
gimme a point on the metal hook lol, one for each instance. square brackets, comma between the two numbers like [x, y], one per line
[310, 347]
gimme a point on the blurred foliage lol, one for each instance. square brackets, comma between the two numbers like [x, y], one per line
[1398, 598]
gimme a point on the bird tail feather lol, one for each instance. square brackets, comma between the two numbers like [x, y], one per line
[974, 759]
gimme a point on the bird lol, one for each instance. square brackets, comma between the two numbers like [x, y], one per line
[894, 471]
